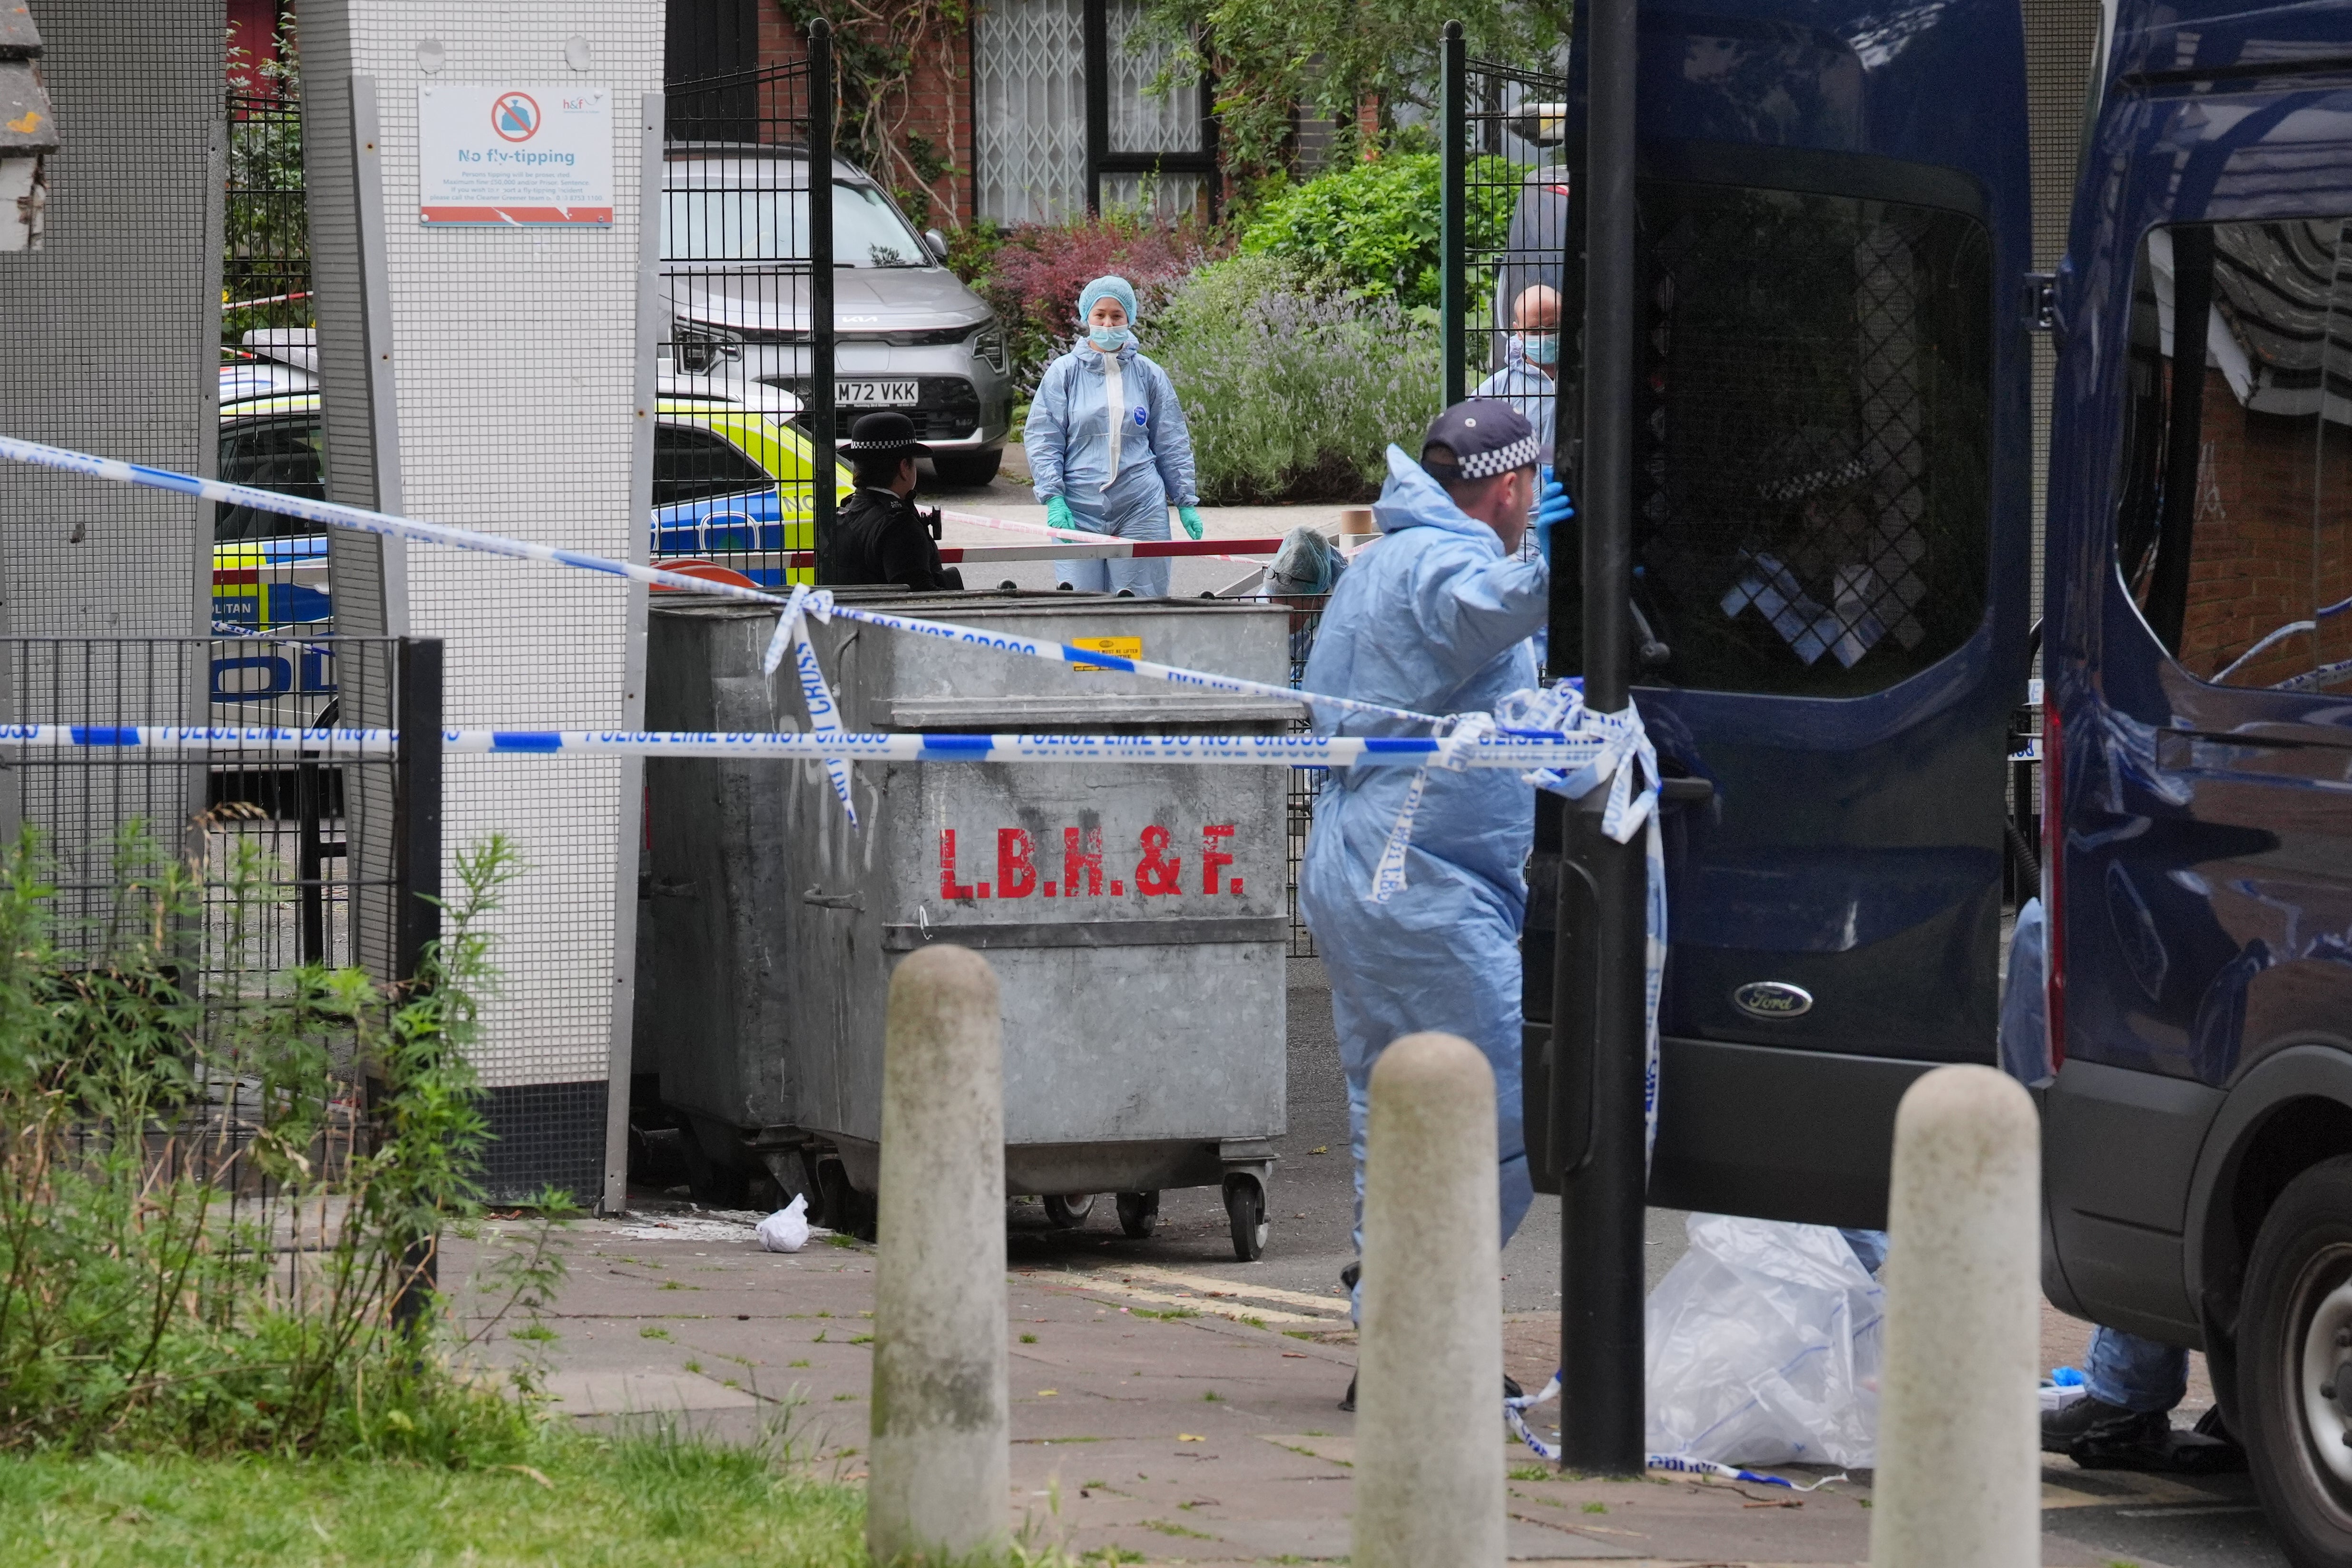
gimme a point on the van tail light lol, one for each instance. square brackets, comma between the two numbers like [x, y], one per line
[2053, 882]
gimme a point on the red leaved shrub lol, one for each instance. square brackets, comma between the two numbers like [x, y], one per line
[1033, 276]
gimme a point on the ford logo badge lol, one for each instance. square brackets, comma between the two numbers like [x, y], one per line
[1773, 999]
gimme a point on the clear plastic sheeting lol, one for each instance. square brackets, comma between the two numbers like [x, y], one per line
[1764, 1347]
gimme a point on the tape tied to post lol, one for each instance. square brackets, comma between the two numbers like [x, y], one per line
[1514, 1416]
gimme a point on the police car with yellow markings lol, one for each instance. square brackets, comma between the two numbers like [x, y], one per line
[732, 484]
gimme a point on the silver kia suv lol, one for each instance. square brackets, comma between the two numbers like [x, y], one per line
[908, 335]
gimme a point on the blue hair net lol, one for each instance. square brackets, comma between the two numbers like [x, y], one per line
[1111, 288]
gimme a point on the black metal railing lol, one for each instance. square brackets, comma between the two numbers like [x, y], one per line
[270, 852]
[744, 469]
[1503, 231]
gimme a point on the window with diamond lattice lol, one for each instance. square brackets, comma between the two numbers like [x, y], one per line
[1812, 437]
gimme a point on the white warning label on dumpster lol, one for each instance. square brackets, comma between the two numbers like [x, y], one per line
[515, 154]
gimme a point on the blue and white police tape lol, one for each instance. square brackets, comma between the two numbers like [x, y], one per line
[116, 471]
[1514, 1415]
[1628, 764]
[824, 714]
[820, 602]
[1515, 753]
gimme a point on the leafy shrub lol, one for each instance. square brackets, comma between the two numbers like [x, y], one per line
[1033, 274]
[1292, 390]
[1372, 225]
[147, 1299]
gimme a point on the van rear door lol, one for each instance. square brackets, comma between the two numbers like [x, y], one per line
[1831, 530]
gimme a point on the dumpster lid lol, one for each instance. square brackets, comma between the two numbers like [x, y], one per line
[1022, 714]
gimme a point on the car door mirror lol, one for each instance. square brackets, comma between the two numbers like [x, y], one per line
[937, 242]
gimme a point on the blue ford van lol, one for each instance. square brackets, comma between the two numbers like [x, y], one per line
[1833, 542]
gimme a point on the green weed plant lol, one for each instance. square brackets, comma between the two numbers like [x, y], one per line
[222, 1192]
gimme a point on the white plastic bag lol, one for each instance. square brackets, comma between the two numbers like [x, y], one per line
[1764, 1344]
[787, 1229]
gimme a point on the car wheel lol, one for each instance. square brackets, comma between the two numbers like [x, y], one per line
[967, 468]
[2295, 1360]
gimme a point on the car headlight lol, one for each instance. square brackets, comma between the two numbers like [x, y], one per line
[697, 350]
[988, 344]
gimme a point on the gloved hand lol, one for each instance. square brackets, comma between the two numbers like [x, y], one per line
[1191, 518]
[1552, 507]
[1058, 513]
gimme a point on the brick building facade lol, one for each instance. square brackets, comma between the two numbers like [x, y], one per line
[938, 107]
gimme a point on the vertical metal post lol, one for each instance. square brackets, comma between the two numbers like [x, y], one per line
[1095, 59]
[1453, 165]
[821, 388]
[417, 885]
[417, 783]
[1597, 1083]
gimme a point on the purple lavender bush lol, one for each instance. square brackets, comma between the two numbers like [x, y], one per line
[1294, 388]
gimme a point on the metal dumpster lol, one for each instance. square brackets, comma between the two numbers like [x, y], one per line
[1135, 915]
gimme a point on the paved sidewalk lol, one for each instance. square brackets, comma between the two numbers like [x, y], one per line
[1164, 1414]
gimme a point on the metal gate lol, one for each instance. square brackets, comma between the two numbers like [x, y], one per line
[265, 262]
[1503, 231]
[743, 443]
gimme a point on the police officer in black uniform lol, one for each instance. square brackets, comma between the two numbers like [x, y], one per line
[879, 537]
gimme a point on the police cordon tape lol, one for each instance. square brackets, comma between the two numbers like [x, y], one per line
[1621, 750]
[116, 471]
[1514, 1415]
[1244, 750]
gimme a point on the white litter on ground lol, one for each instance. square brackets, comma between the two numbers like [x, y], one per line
[703, 1225]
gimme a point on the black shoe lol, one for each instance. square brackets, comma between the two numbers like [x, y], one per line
[2108, 1425]
[1350, 1274]
[1348, 1404]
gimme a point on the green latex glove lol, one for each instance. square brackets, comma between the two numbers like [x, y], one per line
[1191, 518]
[1058, 513]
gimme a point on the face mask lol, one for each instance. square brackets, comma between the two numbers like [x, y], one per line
[1110, 337]
[1542, 348]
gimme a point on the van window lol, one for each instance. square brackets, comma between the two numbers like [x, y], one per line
[282, 455]
[2234, 503]
[692, 464]
[1813, 436]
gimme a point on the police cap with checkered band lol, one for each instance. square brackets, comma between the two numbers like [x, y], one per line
[1476, 439]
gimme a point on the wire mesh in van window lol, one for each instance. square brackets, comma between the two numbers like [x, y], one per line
[1813, 438]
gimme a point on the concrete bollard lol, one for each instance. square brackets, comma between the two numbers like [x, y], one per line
[1429, 1394]
[939, 1474]
[1959, 1463]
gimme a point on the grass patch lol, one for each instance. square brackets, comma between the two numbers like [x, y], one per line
[1530, 1472]
[656, 1502]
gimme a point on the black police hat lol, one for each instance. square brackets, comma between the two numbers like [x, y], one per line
[884, 432]
[1478, 439]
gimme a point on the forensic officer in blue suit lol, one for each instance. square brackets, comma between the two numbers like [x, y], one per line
[1109, 448]
[1434, 617]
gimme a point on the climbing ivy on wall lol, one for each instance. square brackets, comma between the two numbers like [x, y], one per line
[877, 45]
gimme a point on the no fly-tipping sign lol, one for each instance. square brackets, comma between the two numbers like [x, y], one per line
[514, 154]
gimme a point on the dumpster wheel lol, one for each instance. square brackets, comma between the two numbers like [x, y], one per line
[1245, 1208]
[1139, 1214]
[1069, 1211]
